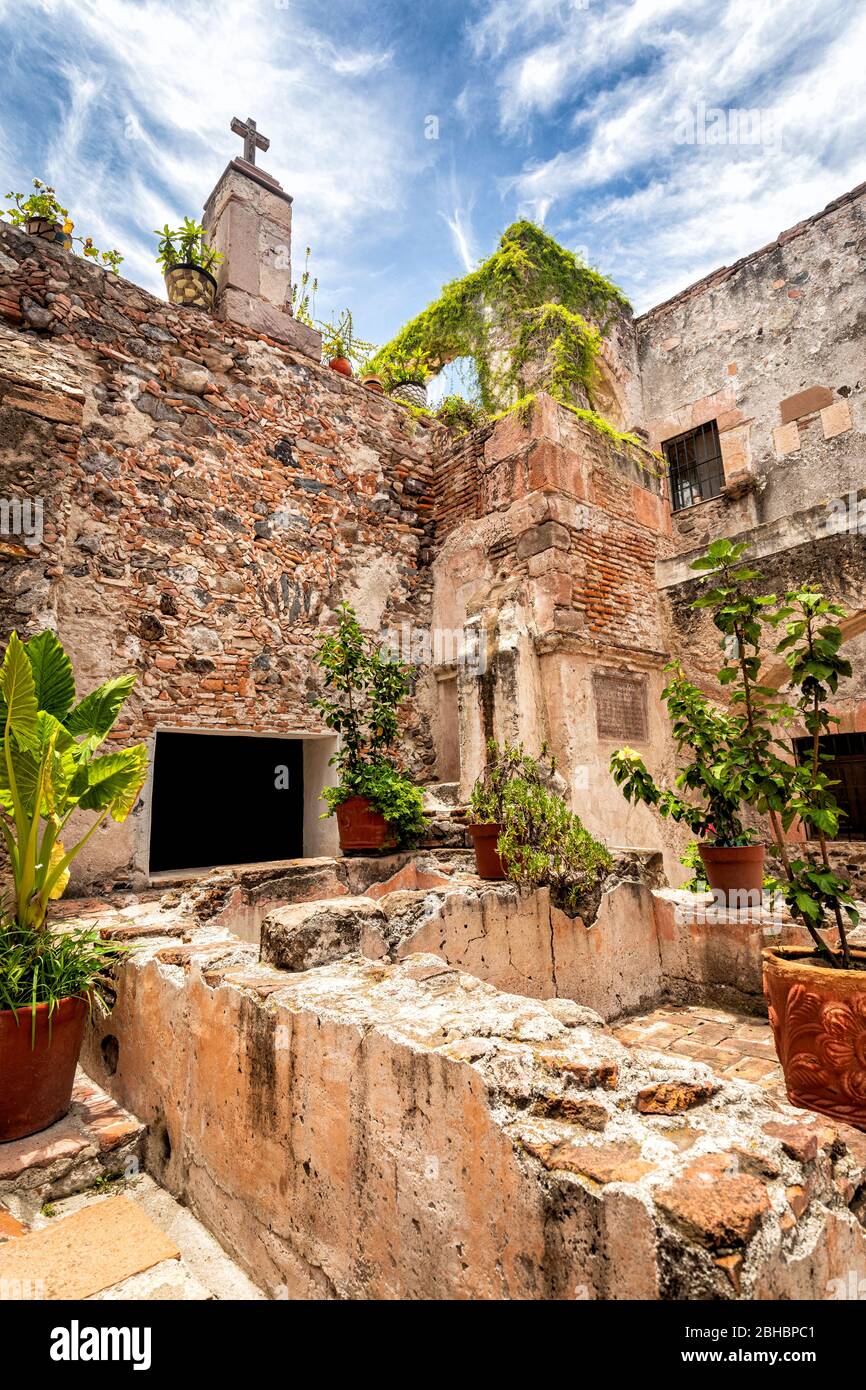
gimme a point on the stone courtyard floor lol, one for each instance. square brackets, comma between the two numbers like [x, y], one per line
[733, 1044]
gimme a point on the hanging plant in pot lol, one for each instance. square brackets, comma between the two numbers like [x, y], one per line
[340, 347]
[50, 770]
[376, 805]
[187, 262]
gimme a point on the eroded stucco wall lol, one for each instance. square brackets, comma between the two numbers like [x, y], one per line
[772, 349]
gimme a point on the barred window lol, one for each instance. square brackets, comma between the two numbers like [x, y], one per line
[695, 466]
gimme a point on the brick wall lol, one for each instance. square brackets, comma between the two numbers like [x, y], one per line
[458, 482]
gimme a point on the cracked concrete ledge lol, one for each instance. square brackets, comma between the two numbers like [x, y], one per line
[368, 1129]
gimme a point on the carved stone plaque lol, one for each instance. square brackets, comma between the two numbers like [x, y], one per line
[620, 705]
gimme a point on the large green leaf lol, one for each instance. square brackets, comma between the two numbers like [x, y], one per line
[115, 781]
[52, 674]
[95, 715]
[52, 745]
[19, 693]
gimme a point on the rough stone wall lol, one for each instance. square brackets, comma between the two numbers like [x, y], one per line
[210, 496]
[771, 348]
[374, 1130]
[641, 947]
[793, 552]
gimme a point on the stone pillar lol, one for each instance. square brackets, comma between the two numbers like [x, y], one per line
[248, 218]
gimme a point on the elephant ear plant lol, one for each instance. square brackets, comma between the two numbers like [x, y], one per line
[50, 768]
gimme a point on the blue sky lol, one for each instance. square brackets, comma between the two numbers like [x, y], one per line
[598, 117]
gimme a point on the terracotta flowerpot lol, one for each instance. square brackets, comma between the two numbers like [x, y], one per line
[736, 871]
[48, 230]
[36, 1081]
[361, 826]
[374, 383]
[341, 365]
[190, 286]
[487, 861]
[818, 1016]
[409, 392]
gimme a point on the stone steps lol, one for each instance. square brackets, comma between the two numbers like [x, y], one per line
[96, 1141]
[79, 1219]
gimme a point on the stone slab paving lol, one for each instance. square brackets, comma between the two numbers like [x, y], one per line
[733, 1044]
[96, 1140]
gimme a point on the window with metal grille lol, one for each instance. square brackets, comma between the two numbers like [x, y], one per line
[694, 466]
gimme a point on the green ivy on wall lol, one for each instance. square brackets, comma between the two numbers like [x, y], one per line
[531, 300]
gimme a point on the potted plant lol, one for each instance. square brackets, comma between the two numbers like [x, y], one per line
[372, 380]
[50, 770]
[817, 996]
[340, 347]
[376, 805]
[408, 380]
[187, 262]
[41, 215]
[487, 807]
[712, 773]
[522, 829]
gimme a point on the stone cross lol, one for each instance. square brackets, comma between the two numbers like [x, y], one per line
[251, 138]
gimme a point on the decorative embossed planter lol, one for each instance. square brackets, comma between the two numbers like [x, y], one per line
[190, 286]
[410, 393]
[341, 365]
[818, 1016]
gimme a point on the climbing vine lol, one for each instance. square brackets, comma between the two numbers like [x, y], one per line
[531, 299]
[651, 463]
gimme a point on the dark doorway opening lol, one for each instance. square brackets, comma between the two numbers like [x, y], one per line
[845, 764]
[225, 799]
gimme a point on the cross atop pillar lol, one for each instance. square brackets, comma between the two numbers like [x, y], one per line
[250, 136]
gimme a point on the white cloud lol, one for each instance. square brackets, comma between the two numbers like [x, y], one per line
[638, 69]
[159, 84]
[460, 227]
